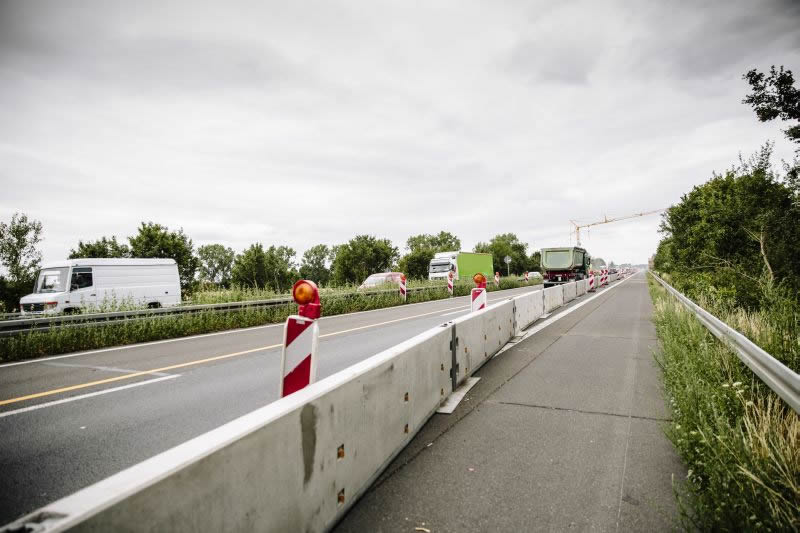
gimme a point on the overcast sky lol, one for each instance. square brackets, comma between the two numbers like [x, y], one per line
[310, 122]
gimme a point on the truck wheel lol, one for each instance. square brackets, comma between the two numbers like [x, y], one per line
[153, 305]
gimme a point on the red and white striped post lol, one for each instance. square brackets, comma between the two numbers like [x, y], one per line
[526, 277]
[450, 276]
[478, 293]
[590, 287]
[604, 278]
[403, 287]
[300, 339]
[497, 278]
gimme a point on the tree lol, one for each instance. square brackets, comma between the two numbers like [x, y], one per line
[313, 264]
[361, 256]
[736, 228]
[250, 268]
[416, 264]
[774, 96]
[443, 242]
[18, 247]
[215, 262]
[281, 273]
[535, 262]
[20, 257]
[155, 240]
[103, 247]
[506, 244]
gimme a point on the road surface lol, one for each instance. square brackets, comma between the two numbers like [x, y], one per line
[68, 421]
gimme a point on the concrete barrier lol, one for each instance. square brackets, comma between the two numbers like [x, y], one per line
[570, 291]
[480, 335]
[553, 298]
[297, 464]
[529, 307]
[581, 286]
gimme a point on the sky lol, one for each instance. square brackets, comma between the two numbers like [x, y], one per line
[301, 123]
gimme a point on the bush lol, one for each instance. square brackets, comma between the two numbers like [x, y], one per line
[739, 440]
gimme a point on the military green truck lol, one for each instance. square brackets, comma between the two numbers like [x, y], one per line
[562, 265]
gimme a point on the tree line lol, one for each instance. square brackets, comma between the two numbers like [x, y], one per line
[736, 236]
[258, 266]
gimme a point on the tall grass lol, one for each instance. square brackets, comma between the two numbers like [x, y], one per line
[86, 336]
[739, 440]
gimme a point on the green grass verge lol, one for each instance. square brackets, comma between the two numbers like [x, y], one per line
[740, 441]
[150, 328]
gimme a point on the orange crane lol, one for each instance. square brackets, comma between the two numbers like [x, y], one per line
[607, 220]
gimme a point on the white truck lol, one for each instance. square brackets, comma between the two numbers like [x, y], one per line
[463, 264]
[76, 285]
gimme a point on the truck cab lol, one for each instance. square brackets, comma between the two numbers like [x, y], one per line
[441, 264]
[565, 264]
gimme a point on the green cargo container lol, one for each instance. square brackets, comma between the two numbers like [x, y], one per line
[465, 264]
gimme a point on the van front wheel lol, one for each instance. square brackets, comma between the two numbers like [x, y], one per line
[153, 305]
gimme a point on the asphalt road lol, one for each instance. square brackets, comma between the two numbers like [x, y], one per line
[71, 420]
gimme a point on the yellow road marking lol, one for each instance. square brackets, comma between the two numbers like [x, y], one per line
[203, 361]
[132, 375]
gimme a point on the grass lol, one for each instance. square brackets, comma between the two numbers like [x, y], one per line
[87, 336]
[740, 441]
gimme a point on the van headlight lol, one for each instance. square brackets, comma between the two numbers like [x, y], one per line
[50, 305]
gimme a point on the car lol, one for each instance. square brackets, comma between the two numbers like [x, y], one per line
[376, 280]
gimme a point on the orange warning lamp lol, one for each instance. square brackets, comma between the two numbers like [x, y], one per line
[306, 294]
[480, 280]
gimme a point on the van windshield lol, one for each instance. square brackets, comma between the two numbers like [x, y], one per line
[52, 280]
[558, 259]
[440, 266]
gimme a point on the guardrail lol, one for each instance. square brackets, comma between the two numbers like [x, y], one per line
[781, 379]
[18, 326]
[299, 463]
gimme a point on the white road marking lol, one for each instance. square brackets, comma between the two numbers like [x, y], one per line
[102, 368]
[88, 395]
[454, 312]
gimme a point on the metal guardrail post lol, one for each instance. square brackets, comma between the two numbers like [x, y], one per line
[781, 379]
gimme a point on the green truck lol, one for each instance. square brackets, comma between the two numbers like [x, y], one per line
[463, 264]
[562, 265]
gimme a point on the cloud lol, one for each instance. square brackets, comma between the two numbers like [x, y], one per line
[297, 124]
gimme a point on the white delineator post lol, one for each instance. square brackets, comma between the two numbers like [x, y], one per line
[450, 283]
[403, 290]
[497, 278]
[300, 340]
[478, 294]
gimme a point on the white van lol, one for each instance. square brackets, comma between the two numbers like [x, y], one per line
[104, 284]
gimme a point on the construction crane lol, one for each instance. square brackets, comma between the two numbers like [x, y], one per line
[607, 220]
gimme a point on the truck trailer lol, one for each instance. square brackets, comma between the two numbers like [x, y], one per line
[463, 264]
